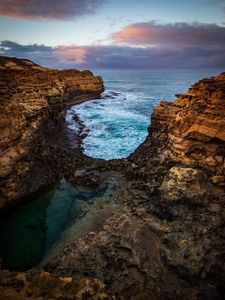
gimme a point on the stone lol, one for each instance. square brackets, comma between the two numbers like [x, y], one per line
[32, 105]
[162, 236]
[194, 124]
[183, 184]
[218, 179]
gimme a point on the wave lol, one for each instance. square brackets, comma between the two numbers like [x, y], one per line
[117, 122]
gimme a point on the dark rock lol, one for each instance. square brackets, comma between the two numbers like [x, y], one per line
[163, 235]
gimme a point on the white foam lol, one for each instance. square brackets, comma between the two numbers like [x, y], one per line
[118, 124]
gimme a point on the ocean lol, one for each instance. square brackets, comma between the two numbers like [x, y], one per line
[116, 124]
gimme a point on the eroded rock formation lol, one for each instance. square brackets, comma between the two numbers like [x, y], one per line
[193, 126]
[163, 235]
[32, 103]
[34, 285]
[167, 239]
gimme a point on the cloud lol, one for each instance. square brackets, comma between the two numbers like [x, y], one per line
[142, 46]
[38, 53]
[71, 54]
[178, 35]
[48, 9]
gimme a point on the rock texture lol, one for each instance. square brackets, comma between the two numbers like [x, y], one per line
[193, 127]
[44, 286]
[167, 240]
[166, 237]
[32, 104]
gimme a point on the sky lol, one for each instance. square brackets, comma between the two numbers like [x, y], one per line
[143, 34]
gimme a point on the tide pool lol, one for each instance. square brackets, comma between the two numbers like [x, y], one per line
[29, 232]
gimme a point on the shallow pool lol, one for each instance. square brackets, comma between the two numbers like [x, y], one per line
[28, 232]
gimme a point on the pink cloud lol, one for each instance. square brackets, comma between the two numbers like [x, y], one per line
[165, 46]
[176, 35]
[48, 9]
[72, 53]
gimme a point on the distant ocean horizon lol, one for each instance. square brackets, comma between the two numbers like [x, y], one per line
[117, 123]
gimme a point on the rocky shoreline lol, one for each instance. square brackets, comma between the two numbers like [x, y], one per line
[33, 100]
[163, 235]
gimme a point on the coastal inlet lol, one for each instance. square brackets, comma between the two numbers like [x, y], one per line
[113, 125]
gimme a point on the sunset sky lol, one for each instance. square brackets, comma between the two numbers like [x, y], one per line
[161, 34]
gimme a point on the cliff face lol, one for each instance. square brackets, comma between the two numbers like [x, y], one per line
[183, 160]
[162, 235]
[166, 238]
[32, 103]
[192, 128]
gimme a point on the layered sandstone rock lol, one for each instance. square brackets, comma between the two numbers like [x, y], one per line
[163, 236]
[167, 239]
[183, 160]
[193, 127]
[32, 103]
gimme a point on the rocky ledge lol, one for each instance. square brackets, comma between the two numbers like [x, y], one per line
[32, 103]
[193, 127]
[163, 235]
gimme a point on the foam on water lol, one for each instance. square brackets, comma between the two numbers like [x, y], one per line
[117, 123]
[113, 125]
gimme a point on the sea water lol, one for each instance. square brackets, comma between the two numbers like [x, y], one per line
[56, 216]
[117, 123]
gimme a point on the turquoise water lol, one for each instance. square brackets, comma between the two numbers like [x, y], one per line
[22, 234]
[29, 232]
[117, 123]
[88, 214]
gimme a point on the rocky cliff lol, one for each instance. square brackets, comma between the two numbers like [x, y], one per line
[32, 104]
[162, 235]
[165, 237]
[192, 127]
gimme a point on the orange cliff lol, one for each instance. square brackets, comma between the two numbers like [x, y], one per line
[162, 236]
[192, 128]
[32, 102]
